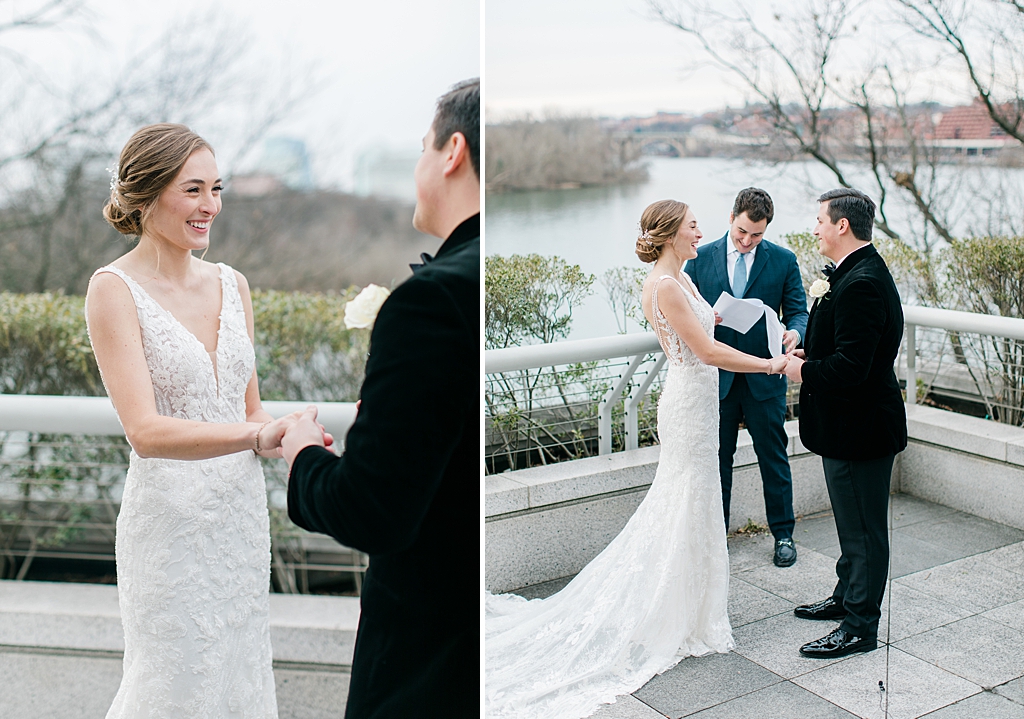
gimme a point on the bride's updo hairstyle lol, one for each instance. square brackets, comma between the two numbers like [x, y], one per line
[659, 224]
[149, 163]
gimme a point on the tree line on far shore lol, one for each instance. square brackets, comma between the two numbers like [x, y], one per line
[557, 153]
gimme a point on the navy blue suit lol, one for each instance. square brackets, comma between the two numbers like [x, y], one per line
[759, 400]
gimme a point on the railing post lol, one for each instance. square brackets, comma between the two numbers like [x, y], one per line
[911, 330]
[635, 398]
[604, 408]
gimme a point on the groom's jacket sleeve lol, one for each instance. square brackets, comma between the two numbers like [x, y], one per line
[860, 313]
[422, 366]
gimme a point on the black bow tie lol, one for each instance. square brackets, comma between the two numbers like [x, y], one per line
[427, 259]
[828, 269]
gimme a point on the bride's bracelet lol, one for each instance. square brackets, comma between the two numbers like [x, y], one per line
[258, 449]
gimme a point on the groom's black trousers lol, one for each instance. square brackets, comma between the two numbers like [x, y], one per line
[859, 492]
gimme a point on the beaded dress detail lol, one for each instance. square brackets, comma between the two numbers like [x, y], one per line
[193, 538]
[655, 594]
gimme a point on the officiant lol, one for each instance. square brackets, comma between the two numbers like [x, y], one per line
[746, 266]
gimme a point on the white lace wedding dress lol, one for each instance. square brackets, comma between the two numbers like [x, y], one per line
[193, 538]
[656, 594]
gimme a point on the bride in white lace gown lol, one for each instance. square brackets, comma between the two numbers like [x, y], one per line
[173, 339]
[658, 591]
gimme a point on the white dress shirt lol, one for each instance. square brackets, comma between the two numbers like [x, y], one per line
[730, 260]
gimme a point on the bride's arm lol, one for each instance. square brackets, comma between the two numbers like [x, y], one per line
[679, 314]
[117, 342]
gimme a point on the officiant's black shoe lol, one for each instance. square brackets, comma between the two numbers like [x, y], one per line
[785, 553]
[825, 609]
[839, 643]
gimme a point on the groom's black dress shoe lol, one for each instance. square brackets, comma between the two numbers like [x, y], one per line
[825, 609]
[785, 553]
[837, 644]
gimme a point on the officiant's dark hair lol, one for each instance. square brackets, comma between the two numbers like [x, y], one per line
[149, 162]
[756, 203]
[458, 110]
[659, 224]
[855, 206]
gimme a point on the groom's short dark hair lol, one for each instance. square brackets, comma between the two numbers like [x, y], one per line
[458, 110]
[855, 206]
[756, 203]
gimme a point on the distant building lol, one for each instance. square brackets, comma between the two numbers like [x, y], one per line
[970, 130]
[385, 172]
[283, 163]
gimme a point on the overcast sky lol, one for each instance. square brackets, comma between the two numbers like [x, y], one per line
[608, 57]
[383, 63]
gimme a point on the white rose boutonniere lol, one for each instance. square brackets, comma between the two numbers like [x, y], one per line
[819, 288]
[361, 312]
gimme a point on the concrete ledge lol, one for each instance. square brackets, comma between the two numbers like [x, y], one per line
[970, 464]
[305, 630]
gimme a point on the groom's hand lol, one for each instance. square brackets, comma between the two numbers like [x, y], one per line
[793, 369]
[304, 432]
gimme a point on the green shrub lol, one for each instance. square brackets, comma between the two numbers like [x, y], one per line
[303, 351]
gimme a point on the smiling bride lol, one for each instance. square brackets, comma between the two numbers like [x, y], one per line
[173, 336]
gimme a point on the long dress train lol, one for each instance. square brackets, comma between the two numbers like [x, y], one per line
[193, 538]
[655, 594]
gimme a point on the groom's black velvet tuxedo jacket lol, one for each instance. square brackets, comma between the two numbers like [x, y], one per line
[406, 491]
[850, 401]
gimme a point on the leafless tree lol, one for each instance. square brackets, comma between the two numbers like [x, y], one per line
[56, 146]
[822, 106]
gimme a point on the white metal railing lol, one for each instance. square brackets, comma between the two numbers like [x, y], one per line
[96, 416]
[637, 346]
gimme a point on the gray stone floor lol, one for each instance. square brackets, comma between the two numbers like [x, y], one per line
[951, 640]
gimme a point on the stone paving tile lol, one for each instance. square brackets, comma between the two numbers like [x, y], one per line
[1010, 557]
[914, 612]
[748, 603]
[544, 589]
[1012, 615]
[697, 683]
[1014, 691]
[984, 705]
[817, 533]
[784, 700]
[977, 649]
[914, 687]
[907, 510]
[965, 534]
[910, 554]
[747, 552]
[627, 707]
[57, 687]
[774, 643]
[310, 695]
[812, 578]
[970, 583]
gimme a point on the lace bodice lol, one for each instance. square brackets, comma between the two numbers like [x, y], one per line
[678, 352]
[187, 382]
[193, 537]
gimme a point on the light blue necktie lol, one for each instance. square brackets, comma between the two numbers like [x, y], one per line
[739, 276]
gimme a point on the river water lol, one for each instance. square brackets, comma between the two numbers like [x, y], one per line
[596, 227]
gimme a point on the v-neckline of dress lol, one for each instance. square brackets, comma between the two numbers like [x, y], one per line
[214, 356]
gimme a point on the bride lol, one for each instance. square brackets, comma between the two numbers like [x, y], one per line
[658, 592]
[173, 336]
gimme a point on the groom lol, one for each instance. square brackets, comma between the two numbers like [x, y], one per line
[852, 414]
[744, 264]
[407, 489]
